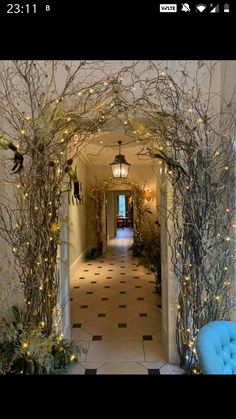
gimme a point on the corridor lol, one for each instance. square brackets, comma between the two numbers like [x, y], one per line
[116, 314]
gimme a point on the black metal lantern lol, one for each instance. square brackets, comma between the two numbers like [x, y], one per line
[120, 167]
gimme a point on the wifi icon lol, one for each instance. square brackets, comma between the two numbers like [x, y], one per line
[201, 7]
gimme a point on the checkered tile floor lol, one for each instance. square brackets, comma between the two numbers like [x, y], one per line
[116, 315]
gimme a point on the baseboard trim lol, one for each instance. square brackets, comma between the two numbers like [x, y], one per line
[77, 261]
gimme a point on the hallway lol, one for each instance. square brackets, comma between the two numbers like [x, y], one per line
[116, 314]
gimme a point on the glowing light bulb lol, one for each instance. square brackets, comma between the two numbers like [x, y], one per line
[25, 345]
[91, 90]
[226, 167]
[190, 110]
[22, 131]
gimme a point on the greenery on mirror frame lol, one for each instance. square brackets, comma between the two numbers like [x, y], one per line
[150, 254]
[27, 351]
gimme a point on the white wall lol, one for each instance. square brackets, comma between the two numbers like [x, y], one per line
[77, 216]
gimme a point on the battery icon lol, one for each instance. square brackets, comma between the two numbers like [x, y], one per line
[226, 8]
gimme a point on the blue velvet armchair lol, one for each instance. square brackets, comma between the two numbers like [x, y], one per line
[216, 347]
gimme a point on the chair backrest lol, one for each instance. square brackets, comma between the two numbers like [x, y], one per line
[216, 347]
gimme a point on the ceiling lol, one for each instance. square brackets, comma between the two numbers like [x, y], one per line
[103, 148]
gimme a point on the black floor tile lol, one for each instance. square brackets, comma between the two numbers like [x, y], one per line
[136, 277]
[76, 325]
[83, 306]
[71, 299]
[159, 305]
[151, 282]
[147, 337]
[89, 264]
[122, 273]
[81, 277]
[122, 292]
[101, 314]
[89, 292]
[122, 282]
[138, 286]
[122, 306]
[104, 299]
[153, 372]
[107, 286]
[134, 270]
[110, 270]
[97, 337]
[90, 371]
[76, 287]
[109, 277]
[97, 273]
[86, 270]
[122, 325]
[99, 267]
[93, 282]
[140, 299]
[142, 314]
[148, 273]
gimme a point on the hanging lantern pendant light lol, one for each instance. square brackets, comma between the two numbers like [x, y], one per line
[120, 167]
